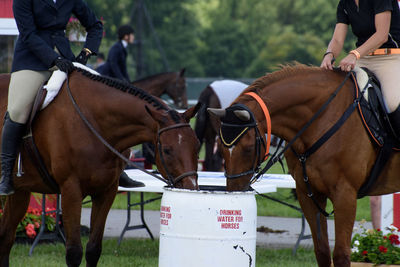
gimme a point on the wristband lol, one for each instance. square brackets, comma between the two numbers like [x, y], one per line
[356, 53]
[328, 52]
[87, 50]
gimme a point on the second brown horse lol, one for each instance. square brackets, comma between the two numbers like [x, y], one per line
[336, 170]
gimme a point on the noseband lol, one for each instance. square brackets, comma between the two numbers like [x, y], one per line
[172, 180]
[259, 138]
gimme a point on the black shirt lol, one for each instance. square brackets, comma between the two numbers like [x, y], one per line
[362, 19]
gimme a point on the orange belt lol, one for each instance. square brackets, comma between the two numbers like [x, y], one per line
[385, 51]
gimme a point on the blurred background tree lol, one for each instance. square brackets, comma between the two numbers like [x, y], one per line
[223, 38]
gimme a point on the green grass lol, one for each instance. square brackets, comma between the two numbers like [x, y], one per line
[143, 253]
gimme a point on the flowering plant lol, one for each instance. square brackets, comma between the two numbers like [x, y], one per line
[75, 27]
[32, 221]
[372, 245]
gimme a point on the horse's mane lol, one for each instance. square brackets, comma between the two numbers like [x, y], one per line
[125, 87]
[285, 71]
[152, 77]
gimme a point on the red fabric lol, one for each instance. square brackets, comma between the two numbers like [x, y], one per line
[36, 201]
[6, 9]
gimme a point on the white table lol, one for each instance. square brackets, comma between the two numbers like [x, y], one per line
[154, 185]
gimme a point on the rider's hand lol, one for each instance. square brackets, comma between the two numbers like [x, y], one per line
[82, 57]
[327, 61]
[64, 65]
[348, 63]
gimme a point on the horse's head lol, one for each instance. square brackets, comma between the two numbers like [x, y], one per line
[176, 147]
[176, 89]
[239, 139]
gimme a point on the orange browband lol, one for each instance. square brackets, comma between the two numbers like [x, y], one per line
[267, 117]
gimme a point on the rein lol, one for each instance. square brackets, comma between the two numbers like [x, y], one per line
[325, 137]
[170, 182]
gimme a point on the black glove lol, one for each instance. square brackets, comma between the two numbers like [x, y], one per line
[82, 57]
[64, 64]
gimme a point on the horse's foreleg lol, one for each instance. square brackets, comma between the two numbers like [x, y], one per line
[100, 208]
[344, 205]
[14, 211]
[71, 213]
[318, 227]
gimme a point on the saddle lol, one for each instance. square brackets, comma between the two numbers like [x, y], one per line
[44, 96]
[373, 111]
[374, 115]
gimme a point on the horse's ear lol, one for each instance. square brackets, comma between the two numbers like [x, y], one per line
[156, 115]
[243, 115]
[191, 112]
[182, 72]
[220, 113]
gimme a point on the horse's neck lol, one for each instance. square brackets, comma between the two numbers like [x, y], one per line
[155, 85]
[293, 101]
[121, 118]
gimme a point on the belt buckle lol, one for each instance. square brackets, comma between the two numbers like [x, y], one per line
[387, 51]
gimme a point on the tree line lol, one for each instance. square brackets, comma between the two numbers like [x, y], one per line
[224, 38]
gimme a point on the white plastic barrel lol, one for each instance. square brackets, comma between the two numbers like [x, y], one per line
[207, 228]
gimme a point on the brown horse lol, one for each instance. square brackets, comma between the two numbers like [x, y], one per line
[335, 171]
[82, 166]
[171, 83]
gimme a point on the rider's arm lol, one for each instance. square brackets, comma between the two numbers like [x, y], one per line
[335, 45]
[382, 26]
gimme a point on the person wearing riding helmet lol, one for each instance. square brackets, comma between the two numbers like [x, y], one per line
[115, 65]
[376, 24]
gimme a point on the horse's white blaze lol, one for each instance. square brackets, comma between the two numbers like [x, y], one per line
[231, 150]
[179, 139]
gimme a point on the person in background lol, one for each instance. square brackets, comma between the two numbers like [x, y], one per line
[115, 65]
[376, 25]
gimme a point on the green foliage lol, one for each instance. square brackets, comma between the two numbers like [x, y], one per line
[31, 222]
[372, 245]
[226, 38]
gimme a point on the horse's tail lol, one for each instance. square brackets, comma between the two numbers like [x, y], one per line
[202, 116]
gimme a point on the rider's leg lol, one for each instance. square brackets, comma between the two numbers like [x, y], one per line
[387, 69]
[22, 90]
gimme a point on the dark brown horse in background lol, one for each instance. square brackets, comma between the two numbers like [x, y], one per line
[336, 170]
[171, 83]
[82, 166]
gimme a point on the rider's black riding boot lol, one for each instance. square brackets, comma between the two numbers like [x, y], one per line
[125, 181]
[394, 118]
[10, 141]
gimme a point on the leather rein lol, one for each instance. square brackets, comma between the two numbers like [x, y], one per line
[170, 181]
[304, 156]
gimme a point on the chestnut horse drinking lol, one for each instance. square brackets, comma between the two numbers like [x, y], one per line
[82, 166]
[171, 83]
[336, 170]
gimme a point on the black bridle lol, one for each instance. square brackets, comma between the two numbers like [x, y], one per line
[170, 181]
[257, 159]
[173, 180]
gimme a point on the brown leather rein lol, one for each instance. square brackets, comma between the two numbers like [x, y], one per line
[170, 181]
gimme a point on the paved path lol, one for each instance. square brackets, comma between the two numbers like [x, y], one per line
[284, 232]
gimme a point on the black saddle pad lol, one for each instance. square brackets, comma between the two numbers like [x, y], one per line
[373, 113]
